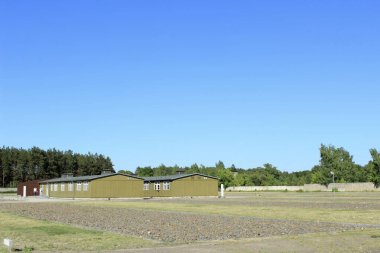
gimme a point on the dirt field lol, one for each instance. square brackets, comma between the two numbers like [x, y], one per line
[241, 222]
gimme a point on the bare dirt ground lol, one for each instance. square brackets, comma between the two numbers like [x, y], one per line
[207, 233]
[169, 226]
[341, 200]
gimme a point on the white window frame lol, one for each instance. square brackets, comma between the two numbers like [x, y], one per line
[55, 187]
[146, 186]
[79, 186]
[157, 186]
[70, 187]
[85, 186]
[62, 187]
[166, 186]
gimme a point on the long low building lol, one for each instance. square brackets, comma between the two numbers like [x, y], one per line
[115, 185]
[107, 185]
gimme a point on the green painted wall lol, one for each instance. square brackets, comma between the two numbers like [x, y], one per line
[161, 193]
[117, 186]
[58, 193]
[189, 186]
[120, 186]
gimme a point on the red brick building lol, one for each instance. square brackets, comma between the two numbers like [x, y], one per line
[32, 188]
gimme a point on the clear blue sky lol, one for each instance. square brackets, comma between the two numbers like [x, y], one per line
[179, 82]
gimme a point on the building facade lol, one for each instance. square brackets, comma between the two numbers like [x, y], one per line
[115, 185]
[28, 188]
[181, 185]
[98, 186]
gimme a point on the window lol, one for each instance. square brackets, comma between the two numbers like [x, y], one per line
[166, 186]
[70, 187]
[79, 186]
[157, 186]
[85, 186]
[62, 187]
[146, 186]
[51, 187]
[55, 187]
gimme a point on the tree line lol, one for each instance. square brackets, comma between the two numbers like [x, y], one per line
[18, 164]
[334, 163]
[27, 164]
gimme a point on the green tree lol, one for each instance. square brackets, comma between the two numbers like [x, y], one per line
[162, 170]
[338, 161]
[225, 177]
[220, 165]
[35, 163]
[128, 172]
[194, 168]
[373, 167]
[241, 179]
[144, 171]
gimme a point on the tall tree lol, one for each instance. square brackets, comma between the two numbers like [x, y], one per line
[335, 162]
[373, 167]
[28, 164]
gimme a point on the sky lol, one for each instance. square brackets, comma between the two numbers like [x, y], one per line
[180, 82]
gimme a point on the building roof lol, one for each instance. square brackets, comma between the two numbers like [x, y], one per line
[84, 178]
[174, 177]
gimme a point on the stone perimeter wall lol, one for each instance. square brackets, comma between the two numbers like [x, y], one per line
[354, 187]
[264, 188]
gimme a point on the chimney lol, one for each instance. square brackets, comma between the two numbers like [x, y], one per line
[180, 171]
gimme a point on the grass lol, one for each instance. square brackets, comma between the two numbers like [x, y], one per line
[5, 193]
[30, 234]
[344, 242]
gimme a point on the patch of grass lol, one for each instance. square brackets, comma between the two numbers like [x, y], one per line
[29, 235]
[341, 242]
[27, 249]
[8, 193]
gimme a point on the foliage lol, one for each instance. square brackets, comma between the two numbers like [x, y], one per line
[35, 163]
[232, 176]
[28, 164]
[144, 171]
[337, 164]
[373, 167]
[128, 172]
[336, 160]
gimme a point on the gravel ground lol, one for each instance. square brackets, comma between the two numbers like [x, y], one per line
[278, 203]
[168, 226]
